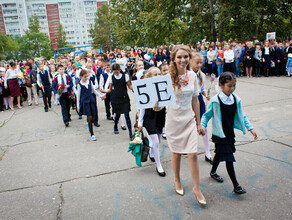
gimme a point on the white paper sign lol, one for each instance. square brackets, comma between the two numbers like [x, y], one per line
[271, 36]
[149, 91]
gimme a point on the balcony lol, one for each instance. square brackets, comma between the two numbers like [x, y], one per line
[9, 12]
[11, 19]
[8, 6]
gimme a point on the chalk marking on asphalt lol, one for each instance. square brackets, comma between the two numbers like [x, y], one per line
[174, 213]
[252, 179]
[60, 191]
[6, 121]
[117, 207]
[265, 132]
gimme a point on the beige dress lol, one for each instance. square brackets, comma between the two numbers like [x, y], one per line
[180, 125]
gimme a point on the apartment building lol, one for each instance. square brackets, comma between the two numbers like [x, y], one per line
[76, 16]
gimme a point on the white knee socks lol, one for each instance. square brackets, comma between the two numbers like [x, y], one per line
[155, 150]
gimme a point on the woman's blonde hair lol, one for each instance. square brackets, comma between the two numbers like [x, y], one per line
[154, 52]
[173, 68]
[150, 72]
[200, 56]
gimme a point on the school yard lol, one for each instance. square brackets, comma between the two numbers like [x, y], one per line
[48, 171]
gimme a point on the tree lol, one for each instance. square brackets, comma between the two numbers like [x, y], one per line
[102, 32]
[34, 24]
[35, 43]
[61, 37]
[7, 46]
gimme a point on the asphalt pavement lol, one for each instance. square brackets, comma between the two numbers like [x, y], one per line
[48, 171]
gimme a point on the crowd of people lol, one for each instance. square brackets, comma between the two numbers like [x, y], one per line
[76, 81]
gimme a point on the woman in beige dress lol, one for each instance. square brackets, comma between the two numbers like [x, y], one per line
[183, 119]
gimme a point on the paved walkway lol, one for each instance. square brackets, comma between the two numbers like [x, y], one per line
[51, 172]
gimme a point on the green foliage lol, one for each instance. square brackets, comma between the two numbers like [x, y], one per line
[102, 32]
[34, 24]
[35, 45]
[158, 22]
[61, 37]
[7, 46]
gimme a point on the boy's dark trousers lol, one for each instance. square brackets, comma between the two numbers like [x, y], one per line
[65, 107]
[47, 95]
[107, 105]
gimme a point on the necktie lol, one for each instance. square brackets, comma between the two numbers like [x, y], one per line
[62, 80]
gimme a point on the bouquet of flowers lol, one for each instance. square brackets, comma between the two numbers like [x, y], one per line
[211, 83]
[73, 97]
[137, 137]
[61, 89]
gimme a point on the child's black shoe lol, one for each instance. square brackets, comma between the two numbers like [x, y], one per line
[216, 177]
[239, 190]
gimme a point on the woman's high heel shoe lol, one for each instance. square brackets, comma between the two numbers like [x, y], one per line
[179, 191]
[202, 201]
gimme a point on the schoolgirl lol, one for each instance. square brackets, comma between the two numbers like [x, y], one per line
[85, 100]
[140, 70]
[120, 99]
[112, 58]
[103, 79]
[164, 68]
[226, 111]
[197, 63]
[153, 119]
[164, 71]
[94, 80]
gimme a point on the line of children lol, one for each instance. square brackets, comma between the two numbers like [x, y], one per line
[86, 103]
[226, 111]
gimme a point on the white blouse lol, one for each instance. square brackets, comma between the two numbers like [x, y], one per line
[227, 100]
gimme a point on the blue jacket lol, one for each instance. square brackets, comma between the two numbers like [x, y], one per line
[214, 111]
